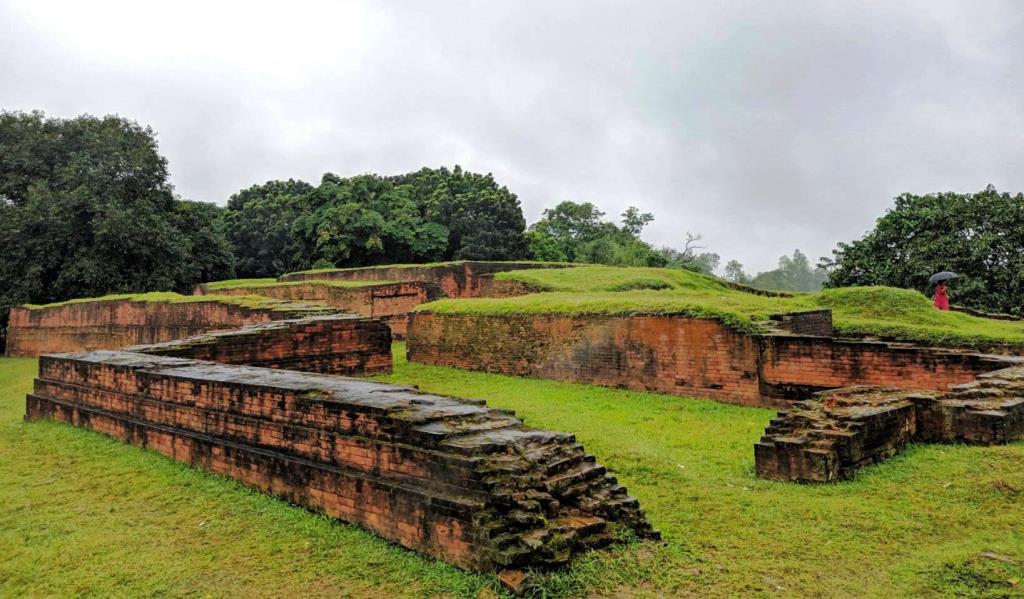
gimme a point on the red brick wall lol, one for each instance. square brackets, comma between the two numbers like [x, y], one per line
[795, 366]
[339, 344]
[117, 323]
[436, 474]
[457, 279]
[390, 302]
[680, 356]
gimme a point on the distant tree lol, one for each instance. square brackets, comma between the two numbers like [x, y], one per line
[689, 257]
[734, 272]
[633, 221]
[793, 274]
[86, 209]
[576, 233]
[977, 235]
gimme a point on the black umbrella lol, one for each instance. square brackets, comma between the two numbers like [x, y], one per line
[943, 276]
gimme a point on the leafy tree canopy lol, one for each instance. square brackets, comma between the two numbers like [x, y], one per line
[86, 209]
[425, 216]
[573, 232]
[977, 235]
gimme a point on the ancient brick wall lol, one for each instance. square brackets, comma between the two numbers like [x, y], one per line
[444, 476]
[681, 356]
[836, 433]
[335, 344]
[390, 302]
[668, 354]
[112, 324]
[456, 279]
[794, 367]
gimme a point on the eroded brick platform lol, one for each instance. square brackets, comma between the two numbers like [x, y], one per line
[449, 477]
[334, 344]
[456, 279]
[686, 356]
[834, 434]
[111, 324]
[390, 302]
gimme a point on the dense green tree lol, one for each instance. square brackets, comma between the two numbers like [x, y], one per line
[428, 215]
[86, 209]
[577, 233]
[978, 235]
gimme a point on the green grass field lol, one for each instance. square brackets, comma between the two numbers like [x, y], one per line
[84, 515]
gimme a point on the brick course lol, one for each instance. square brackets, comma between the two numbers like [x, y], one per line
[335, 344]
[682, 356]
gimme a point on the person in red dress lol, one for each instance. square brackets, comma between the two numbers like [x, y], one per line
[941, 297]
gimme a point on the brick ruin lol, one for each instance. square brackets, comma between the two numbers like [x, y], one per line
[336, 344]
[448, 477]
[111, 324]
[456, 279]
[686, 356]
[831, 436]
[390, 302]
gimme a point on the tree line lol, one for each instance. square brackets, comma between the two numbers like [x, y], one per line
[86, 208]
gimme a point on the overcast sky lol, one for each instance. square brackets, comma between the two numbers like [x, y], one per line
[764, 126]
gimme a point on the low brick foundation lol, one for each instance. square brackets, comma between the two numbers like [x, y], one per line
[833, 435]
[111, 324]
[391, 302]
[682, 356]
[448, 477]
[336, 344]
[456, 279]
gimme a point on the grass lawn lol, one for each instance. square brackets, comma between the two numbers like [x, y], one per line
[81, 514]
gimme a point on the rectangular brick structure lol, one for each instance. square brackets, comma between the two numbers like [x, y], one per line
[391, 302]
[686, 356]
[111, 324]
[335, 344]
[456, 279]
[447, 477]
[834, 434]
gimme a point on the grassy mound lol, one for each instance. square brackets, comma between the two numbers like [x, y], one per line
[878, 312]
[906, 315]
[169, 297]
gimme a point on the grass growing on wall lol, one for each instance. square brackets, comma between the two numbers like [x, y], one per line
[425, 265]
[81, 514]
[260, 283]
[169, 297]
[883, 312]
